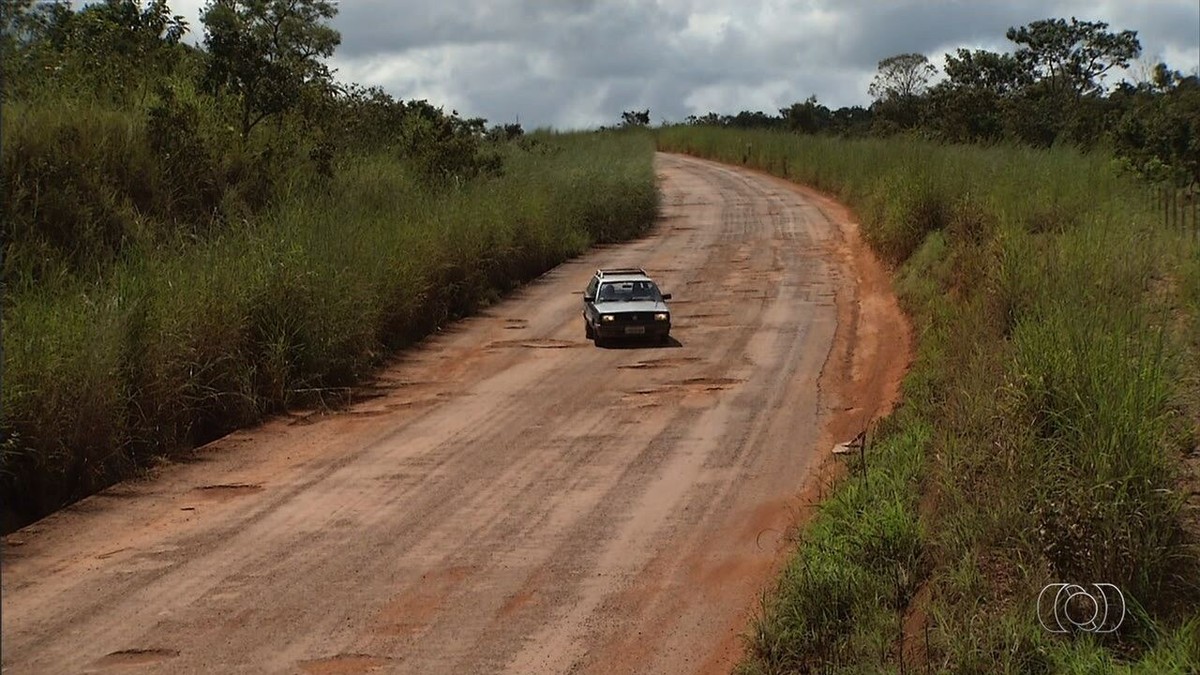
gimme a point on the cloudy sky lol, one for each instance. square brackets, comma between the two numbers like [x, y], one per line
[579, 63]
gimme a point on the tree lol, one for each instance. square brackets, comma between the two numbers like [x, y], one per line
[897, 87]
[25, 23]
[1159, 134]
[445, 147]
[505, 132]
[850, 121]
[106, 48]
[753, 120]
[975, 100]
[266, 52]
[1072, 58]
[808, 117]
[901, 77]
[121, 40]
[31, 37]
[999, 74]
[635, 118]
[710, 119]
[1067, 61]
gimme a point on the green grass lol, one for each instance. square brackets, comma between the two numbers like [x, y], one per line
[166, 341]
[1044, 427]
[857, 566]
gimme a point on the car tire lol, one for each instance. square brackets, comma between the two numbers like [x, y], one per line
[664, 339]
[587, 330]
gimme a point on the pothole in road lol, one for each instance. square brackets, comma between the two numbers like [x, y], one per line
[389, 384]
[229, 490]
[660, 363]
[680, 390]
[536, 344]
[709, 383]
[344, 664]
[106, 556]
[130, 658]
[398, 405]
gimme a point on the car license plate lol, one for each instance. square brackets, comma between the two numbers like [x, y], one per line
[635, 330]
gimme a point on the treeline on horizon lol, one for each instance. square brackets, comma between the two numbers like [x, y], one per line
[1048, 91]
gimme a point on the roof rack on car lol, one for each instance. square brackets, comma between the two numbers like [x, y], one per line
[619, 270]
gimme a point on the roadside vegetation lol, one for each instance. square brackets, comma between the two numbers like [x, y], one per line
[196, 238]
[1049, 426]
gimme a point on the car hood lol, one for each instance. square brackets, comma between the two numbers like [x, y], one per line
[622, 307]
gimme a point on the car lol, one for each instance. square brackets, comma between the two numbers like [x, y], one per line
[625, 303]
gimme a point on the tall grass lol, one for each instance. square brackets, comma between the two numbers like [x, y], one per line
[176, 340]
[1045, 426]
[85, 184]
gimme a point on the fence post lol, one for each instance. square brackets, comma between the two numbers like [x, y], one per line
[862, 455]
[1162, 204]
[1195, 209]
[928, 654]
[1175, 206]
[900, 619]
[1195, 214]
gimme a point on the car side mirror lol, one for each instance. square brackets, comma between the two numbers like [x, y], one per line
[666, 296]
[589, 298]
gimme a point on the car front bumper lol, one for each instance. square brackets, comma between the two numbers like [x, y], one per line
[658, 329]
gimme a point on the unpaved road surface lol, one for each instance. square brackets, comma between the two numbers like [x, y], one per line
[513, 499]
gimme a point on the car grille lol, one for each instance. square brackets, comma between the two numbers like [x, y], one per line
[624, 318]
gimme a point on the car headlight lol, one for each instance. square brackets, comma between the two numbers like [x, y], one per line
[661, 317]
[608, 318]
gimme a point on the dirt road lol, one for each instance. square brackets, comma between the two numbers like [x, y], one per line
[516, 500]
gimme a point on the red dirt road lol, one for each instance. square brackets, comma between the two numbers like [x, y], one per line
[516, 500]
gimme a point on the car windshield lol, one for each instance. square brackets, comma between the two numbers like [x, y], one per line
[627, 291]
